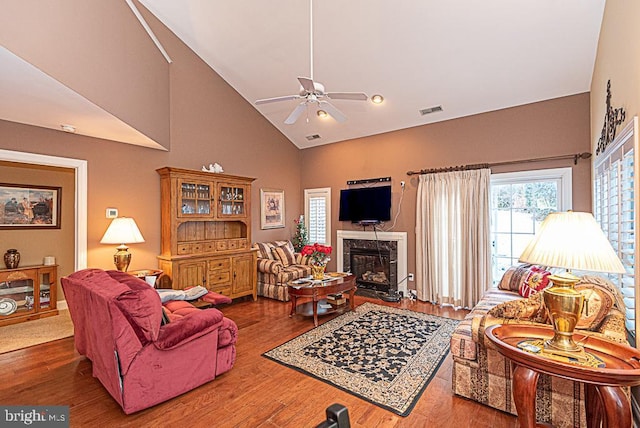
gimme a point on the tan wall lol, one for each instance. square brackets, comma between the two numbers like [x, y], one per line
[35, 244]
[100, 50]
[549, 128]
[618, 60]
[209, 123]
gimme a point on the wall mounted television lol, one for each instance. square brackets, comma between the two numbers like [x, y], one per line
[365, 205]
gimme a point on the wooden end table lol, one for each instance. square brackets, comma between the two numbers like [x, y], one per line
[317, 291]
[605, 400]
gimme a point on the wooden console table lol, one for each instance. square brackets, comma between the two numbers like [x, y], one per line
[605, 400]
[317, 291]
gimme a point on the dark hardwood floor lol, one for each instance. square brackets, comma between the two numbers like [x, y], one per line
[257, 392]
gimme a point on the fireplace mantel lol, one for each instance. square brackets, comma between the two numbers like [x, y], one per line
[399, 237]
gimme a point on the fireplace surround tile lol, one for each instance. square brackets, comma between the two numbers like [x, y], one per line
[394, 241]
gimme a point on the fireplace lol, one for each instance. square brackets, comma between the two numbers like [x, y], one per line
[377, 259]
[372, 268]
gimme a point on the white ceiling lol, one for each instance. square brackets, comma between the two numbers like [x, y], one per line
[469, 56]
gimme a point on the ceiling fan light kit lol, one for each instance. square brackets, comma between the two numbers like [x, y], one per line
[313, 92]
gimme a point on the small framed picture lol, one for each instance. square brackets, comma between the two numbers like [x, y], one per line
[29, 207]
[271, 209]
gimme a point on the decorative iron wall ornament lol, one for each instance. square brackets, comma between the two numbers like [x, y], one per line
[612, 119]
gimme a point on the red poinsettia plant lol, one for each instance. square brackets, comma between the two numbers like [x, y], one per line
[319, 253]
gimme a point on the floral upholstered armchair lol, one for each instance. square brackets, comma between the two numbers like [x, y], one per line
[482, 374]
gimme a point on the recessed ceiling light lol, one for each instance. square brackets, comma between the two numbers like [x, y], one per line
[68, 128]
[322, 114]
[377, 99]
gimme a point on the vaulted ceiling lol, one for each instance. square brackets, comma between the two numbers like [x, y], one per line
[468, 57]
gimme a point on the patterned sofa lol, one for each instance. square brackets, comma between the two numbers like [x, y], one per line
[278, 264]
[482, 374]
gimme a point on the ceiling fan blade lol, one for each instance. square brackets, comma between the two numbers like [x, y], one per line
[276, 99]
[295, 114]
[356, 96]
[307, 84]
[333, 112]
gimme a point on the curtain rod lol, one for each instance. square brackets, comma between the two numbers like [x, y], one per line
[575, 157]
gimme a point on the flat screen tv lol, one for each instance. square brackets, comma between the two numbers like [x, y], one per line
[365, 205]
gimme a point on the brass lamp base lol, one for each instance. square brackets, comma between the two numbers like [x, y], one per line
[564, 306]
[122, 258]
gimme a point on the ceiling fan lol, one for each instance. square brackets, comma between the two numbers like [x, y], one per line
[312, 92]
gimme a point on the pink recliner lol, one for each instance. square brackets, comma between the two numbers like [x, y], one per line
[117, 320]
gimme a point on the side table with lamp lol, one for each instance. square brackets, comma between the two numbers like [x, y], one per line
[571, 241]
[122, 230]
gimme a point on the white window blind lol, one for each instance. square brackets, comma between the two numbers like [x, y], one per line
[614, 209]
[318, 215]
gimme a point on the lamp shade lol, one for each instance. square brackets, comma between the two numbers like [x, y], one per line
[122, 230]
[572, 240]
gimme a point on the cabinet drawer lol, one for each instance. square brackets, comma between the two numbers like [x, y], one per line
[233, 244]
[239, 244]
[221, 245]
[184, 248]
[196, 248]
[219, 277]
[220, 264]
[221, 289]
[209, 247]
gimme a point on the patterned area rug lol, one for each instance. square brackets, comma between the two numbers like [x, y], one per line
[384, 355]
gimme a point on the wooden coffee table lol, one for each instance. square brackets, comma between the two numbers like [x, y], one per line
[605, 400]
[317, 291]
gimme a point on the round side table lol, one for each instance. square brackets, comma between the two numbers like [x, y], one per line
[605, 400]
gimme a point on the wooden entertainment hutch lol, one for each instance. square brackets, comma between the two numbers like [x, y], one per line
[206, 231]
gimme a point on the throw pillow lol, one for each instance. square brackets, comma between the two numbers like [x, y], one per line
[536, 280]
[284, 255]
[287, 243]
[530, 309]
[513, 277]
[597, 304]
[264, 250]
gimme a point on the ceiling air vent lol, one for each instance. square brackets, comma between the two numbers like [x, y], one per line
[430, 110]
[312, 137]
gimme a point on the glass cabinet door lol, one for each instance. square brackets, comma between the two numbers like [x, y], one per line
[194, 198]
[232, 200]
[16, 293]
[47, 283]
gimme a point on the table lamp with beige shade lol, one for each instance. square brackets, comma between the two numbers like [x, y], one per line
[572, 241]
[122, 230]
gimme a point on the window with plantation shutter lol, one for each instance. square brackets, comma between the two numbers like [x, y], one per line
[317, 210]
[614, 209]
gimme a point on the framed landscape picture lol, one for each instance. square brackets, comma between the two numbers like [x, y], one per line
[271, 209]
[29, 207]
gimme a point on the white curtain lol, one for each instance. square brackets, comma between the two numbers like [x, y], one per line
[453, 248]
